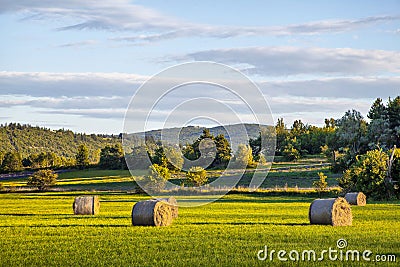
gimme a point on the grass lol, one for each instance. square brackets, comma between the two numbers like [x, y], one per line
[39, 229]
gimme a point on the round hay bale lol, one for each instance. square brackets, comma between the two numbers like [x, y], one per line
[356, 198]
[87, 205]
[174, 205]
[152, 213]
[331, 211]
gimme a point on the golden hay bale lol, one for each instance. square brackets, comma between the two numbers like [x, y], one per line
[333, 211]
[152, 213]
[88, 205]
[356, 198]
[174, 205]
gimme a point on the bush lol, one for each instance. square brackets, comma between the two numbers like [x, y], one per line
[43, 179]
[157, 177]
[368, 175]
[290, 153]
[196, 176]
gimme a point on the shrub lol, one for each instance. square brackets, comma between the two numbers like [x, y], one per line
[43, 179]
[196, 176]
[157, 177]
[321, 184]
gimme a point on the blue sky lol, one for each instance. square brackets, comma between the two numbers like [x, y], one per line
[76, 64]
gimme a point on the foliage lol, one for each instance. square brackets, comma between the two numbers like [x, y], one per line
[208, 148]
[112, 157]
[244, 157]
[139, 158]
[196, 176]
[290, 153]
[82, 157]
[42, 179]
[157, 177]
[321, 184]
[11, 162]
[169, 157]
[368, 175]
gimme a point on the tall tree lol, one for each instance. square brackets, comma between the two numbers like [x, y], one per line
[82, 156]
[393, 110]
[11, 162]
[112, 157]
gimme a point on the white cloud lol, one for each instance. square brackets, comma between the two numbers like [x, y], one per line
[46, 84]
[270, 61]
[122, 15]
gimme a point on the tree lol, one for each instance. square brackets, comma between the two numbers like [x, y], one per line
[42, 179]
[112, 157]
[224, 151]
[244, 157]
[351, 132]
[281, 135]
[290, 153]
[321, 184]
[393, 110]
[156, 178]
[82, 157]
[12, 162]
[379, 134]
[368, 174]
[138, 159]
[196, 176]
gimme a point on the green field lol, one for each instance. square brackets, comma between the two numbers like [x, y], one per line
[39, 229]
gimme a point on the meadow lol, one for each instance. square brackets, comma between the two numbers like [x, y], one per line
[39, 229]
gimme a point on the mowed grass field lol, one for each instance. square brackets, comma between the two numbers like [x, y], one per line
[39, 229]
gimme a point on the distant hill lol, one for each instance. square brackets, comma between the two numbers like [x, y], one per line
[190, 133]
[27, 139]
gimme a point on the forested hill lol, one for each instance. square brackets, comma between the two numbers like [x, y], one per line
[28, 140]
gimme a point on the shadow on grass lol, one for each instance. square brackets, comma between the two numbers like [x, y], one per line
[250, 223]
[67, 226]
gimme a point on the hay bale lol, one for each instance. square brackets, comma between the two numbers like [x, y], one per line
[356, 198]
[152, 213]
[86, 205]
[174, 205]
[331, 211]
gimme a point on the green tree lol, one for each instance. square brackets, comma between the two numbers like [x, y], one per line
[281, 135]
[224, 151]
[43, 179]
[368, 174]
[244, 157]
[156, 178]
[82, 157]
[112, 157]
[196, 176]
[321, 184]
[393, 110]
[290, 153]
[12, 162]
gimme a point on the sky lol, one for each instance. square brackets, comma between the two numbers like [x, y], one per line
[77, 64]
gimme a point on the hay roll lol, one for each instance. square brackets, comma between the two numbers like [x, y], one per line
[86, 205]
[152, 213]
[356, 198]
[174, 205]
[331, 211]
